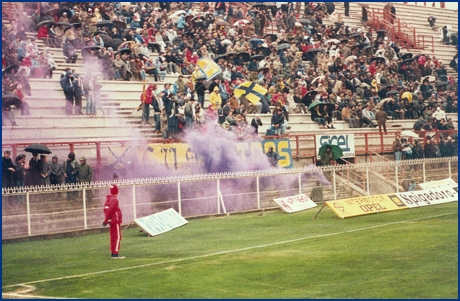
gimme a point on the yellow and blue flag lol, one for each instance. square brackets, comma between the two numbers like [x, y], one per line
[251, 91]
[208, 67]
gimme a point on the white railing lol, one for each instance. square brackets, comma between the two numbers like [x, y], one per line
[40, 210]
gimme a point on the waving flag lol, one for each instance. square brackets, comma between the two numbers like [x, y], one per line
[208, 67]
[252, 91]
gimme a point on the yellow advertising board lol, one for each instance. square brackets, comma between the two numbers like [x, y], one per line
[366, 205]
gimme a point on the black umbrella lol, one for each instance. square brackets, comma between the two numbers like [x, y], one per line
[104, 23]
[442, 84]
[304, 21]
[10, 99]
[220, 56]
[409, 60]
[64, 24]
[9, 68]
[44, 22]
[119, 24]
[91, 47]
[313, 50]
[256, 57]
[264, 69]
[143, 56]
[52, 12]
[37, 148]
[266, 51]
[232, 53]
[313, 21]
[76, 25]
[343, 40]
[367, 47]
[123, 51]
[392, 92]
[284, 46]
[259, 5]
[354, 36]
[406, 56]
[245, 56]
[379, 59]
[67, 28]
[273, 37]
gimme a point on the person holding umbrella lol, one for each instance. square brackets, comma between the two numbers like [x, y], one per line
[327, 156]
[7, 170]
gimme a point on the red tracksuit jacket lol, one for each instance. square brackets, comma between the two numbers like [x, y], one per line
[112, 210]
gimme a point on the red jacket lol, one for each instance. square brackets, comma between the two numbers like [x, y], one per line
[148, 95]
[42, 32]
[112, 210]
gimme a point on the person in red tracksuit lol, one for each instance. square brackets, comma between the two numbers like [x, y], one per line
[113, 217]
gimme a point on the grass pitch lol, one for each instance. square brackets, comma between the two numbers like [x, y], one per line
[409, 253]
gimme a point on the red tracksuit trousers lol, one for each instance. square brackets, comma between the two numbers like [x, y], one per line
[115, 238]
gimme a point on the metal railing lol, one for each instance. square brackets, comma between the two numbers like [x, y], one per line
[31, 211]
[399, 31]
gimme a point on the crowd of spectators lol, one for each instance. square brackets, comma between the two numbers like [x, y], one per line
[304, 61]
[354, 72]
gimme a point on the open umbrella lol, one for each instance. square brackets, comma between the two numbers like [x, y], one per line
[220, 56]
[380, 103]
[314, 104]
[409, 60]
[409, 134]
[40, 24]
[264, 69]
[378, 59]
[313, 50]
[392, 92]
[336, 151]
[304, 21]
[37, 148]
[64, 23]
[92, 47]
[259, 5]
[251, 91]
[406, 56]
[241, 22]
[9, 68]
[273, 37]
[429, 77]
[119, 24]
[124, 51]
[367, 47]
[222, 23]
[321, 77]
[10, 99]
[364, 85]
[343, 40]
[178, 13]
[265, 51]
[104, 23]
[245, 56]
[52, 12]
[441, 84]
[335, 41]
[257, 57]
[355, 36]
[284, 46]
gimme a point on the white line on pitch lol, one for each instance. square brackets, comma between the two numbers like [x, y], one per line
[228, 252]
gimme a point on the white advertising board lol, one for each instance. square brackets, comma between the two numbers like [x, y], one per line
[345, 141]
[428, 197]
[295, 203]
[439, 183]
[161, 222]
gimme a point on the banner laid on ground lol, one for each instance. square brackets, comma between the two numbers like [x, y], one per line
[428, 197]
[295, 203]
[345, 141]
[439, 183]
[173, 155]
[366, 205]
[161, 222]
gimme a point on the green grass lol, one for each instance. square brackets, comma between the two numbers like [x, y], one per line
[377, 256]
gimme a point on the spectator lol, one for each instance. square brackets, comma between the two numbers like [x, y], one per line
[316, 194]
[277, 121]
[7, 170]
[56, 172]
[430, 149]
[397, 147]
[272, 157]
[85, 172]
[381, 117]
[43, 167]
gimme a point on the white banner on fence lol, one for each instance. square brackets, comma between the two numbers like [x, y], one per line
[439, 183]
[295, 203]
[345, 141]
[161, 222]
[428, 197]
